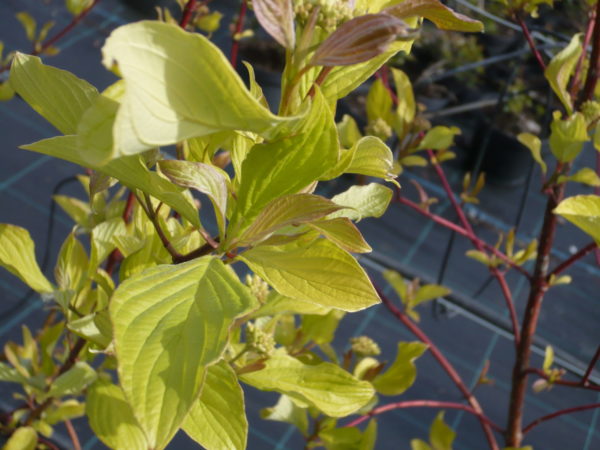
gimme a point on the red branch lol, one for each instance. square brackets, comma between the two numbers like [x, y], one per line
[594, 69]
[188, 11]
[422, 404]
[555, 414]
[591, 366]
[530, 41]
[586, 42]
[573, 258]
[446, 365]
[477, 243]
[235, 45]
[62, 33]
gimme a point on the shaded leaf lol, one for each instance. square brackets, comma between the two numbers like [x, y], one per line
[560, 69]
[534, 145]
[277, 18]
[443, 17]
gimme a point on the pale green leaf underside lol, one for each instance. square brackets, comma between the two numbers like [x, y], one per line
[217, 420]
[318, 272]
[170, 322]
[17, 255]
[178, 85]
[584, 212]
[363, 201]
[326, 386]
[128, 170]
[111, 417]
[58, 96]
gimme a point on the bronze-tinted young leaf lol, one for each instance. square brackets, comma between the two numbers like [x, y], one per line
[277, 18]
[443, 17]
[361, 39]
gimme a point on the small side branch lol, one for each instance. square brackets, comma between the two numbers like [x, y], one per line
[562, 412]
[530, 41]
[572, 384]
[239, 25]
[188, 12]
[573, 258]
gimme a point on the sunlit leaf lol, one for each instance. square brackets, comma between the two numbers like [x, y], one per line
[277, 18]
[344, 233]
[584, 212]
[402, 373]
[443, 17]
[24, 438]
[534, 145]
[560, 69]
[371, 200]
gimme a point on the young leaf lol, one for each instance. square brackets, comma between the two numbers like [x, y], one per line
[326, 386]
[170, 322]
[348, 131]
[429, 292]
[584, 212]
[73, 381]
[441, 435]
[287, 166]
[379, 102]
[439, 138]
[17, 255]
[319, 272]
[548, 358]
[111, 417]
[129, 170]
[217, 419]
[443, 17]
[29, 24]
[75, 7]
[342, 232]
[373, 158]
[178, 85]
[402, 373]
[397, 282]
[287, 411]
[71, 265]
[363, 201]
[534, 145]
[95, 131]
[586, 176]
[287, 210]
[204, 178]
[560, 69]
[406, 108]
[278, 304]
[361, 39]
[567, 136]
[24, 438]
[277, 18]
[58, 96]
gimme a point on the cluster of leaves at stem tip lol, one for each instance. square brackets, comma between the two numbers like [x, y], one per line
[164, 343]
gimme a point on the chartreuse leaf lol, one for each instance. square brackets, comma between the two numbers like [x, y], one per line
[534, 145]
[560, 69]
[287, 210]
[439, 138]
[379, 102]
[443, 17]
[548, 358]
[58, 96]
[567, 136]
[585, 175]
[343, 232]
[94, 130]
[217, 419]
[71, 264]
[178, 85]
[129, 170]
[373, 158]
[441, 435]
[402, 373]
[279, 304]
[325, 386]
[10, 374]
[73, 381]
[287, 166]
[111, 417]
[319, 272]
[287, 411]
[24, 438]
[103, 240]
[205, 178]
[170, 322]
[29, 24]
[582, 211]
[17, 255]
[363, 201]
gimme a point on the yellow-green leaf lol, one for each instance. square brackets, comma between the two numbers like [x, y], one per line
[373, 158]
[29, 24]
[73, 381]
[326, 386]
[443, 17]
[58, 96]
[178, 85]
[586, 176]
[371, 200]
[287, 411]
[439, 138]
[402, 373]
[319, 272]
[534, 145]
[111, 417]
[343, 232]
[17, 255]
[584, 212]
[441, 435]
[560, 69]
[171, 322]
[24, 438]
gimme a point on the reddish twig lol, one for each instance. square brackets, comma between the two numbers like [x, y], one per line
[579, 67]
[572, 384]
[58, 36]
[446, 365]
[115, 256]
[73, 435]
[235, 45]
[594, 69]
[591, 365]
[458, 229]
[573, 258]
[555, 414]
[383, 75]
[477, 243]
[188, 11]
[530, 41]
[422, 404]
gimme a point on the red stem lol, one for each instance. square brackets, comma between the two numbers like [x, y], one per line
[383, 75]
[188, 11]
[591, 365]
[235, 45]
[115, 256]
[573, 258]
[458, 229]
[594, 69]
[555, 414]
[586, 41]
[73, 435]
[422, 404]
[477, 243]
[62, 33]
[446, 365]
[530, 41]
